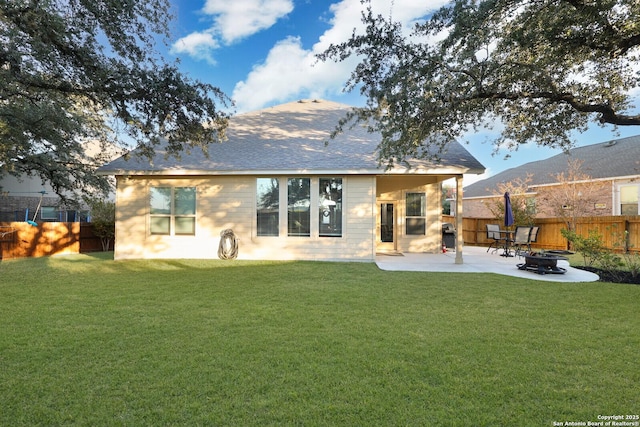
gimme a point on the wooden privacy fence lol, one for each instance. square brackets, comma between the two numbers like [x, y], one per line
[20, 240]
[611, 228]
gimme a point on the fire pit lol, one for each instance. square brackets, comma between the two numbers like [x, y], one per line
[542, 263]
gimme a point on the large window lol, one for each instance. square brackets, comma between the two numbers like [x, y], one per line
[629, 199]
[173, 210]
[323, 220]
[298, 206]
[330, 207]
[268, 207]
[416, 211]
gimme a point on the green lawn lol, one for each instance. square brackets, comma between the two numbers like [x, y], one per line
[85, 340]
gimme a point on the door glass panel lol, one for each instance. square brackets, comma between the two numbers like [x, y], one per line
[386, 222]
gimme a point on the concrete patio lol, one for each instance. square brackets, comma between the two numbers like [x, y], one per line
[477, 260]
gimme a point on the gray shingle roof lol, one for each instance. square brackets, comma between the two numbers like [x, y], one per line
[615, 158]
[290, 138]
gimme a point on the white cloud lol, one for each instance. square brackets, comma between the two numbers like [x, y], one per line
[232, 21]
[237, 19]
[275, 79]
[198, 45]
[290, 70]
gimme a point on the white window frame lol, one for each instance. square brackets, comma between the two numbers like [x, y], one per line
[172, 215]
[407, 217]
[618, 198]
[314, 208]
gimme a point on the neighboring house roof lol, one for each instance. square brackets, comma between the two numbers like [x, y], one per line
[611, 159]
[291, 138]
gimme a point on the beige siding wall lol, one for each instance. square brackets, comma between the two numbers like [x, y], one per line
[229, 202]
[360, 216]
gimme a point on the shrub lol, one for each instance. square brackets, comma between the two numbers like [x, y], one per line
[594, 252]
[591, 247]
[103, 219]
[630, 260]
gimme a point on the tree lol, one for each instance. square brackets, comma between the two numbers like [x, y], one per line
[103, 219]
[522, 207]
[539, 69]
[74, 71]
[574, 196]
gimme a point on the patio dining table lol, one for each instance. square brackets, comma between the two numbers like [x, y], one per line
[506, 236]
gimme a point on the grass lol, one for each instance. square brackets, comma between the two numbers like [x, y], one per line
[89, 341]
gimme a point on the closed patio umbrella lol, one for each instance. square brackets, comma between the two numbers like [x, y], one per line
[508, 212]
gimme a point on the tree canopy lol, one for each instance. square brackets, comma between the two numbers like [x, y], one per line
[537, 70]
[74, 71]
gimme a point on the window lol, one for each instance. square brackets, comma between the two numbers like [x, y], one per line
[629, 199]
[416, 211]
[323, 220]
[330, 207]
[268, 207]
[173, 210]
[298, 206]
[49, 212]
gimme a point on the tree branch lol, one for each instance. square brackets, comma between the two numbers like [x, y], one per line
[607, 114]
[626, 44]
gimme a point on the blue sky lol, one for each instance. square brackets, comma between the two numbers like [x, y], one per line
[262, 53]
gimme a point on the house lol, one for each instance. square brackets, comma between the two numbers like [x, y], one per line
[286, 190]
[27, 197]
[614, 164]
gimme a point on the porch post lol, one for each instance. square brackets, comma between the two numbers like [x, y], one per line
[459, 236]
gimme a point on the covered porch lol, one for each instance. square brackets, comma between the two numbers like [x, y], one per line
[409, 213]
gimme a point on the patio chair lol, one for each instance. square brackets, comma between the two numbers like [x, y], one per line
[533, 237]
[521, 239]
[493, 234]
